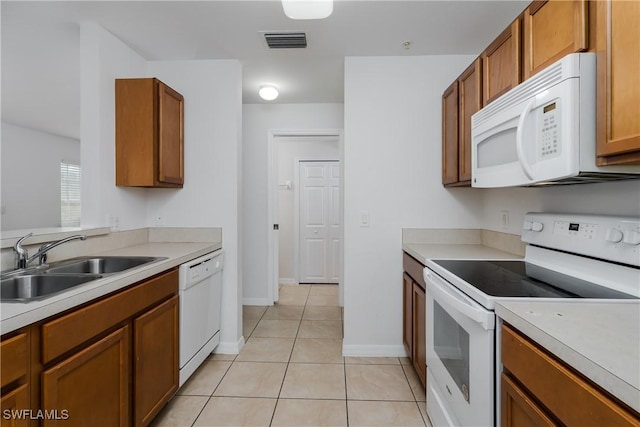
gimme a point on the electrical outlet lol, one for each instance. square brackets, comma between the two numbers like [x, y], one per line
[504, 220]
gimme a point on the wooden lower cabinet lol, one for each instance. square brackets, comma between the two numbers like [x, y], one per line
[420, 337]
[538, 389]
[414, 315]
[156, 360]
[407, 310]
[519, 409]
[14, 371]
[111, 362]
[90, 388]
[15, 401]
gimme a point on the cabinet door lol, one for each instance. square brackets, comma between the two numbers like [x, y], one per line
[156, 360]
[450, 134]
[170, 144]
[618, 81]
[502, 63]
[15, 402]
[470, 101]
[92, 386]
[518, 409]
[552, 29]
[407, 314]
[419, 333]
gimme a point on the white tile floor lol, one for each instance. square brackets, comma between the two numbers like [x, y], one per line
[291, 373]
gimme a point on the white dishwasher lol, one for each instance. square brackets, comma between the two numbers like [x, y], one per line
[200, 289]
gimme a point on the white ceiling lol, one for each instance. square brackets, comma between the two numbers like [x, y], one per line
[40, 44]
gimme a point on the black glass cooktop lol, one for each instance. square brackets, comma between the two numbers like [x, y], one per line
[521, 279]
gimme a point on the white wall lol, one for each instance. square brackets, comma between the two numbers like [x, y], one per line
[103, 58]
[258, 119]
[31, 176]
[211, 195]
[213, 154]
[291, 149]
[392, 168]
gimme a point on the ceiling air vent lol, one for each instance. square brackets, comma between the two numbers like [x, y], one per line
[286, 40]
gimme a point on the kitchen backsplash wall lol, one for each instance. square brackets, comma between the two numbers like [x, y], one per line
[607, 198]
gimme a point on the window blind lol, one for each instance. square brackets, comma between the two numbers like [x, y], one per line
[69, 195]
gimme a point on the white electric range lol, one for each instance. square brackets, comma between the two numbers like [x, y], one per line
[569, 258]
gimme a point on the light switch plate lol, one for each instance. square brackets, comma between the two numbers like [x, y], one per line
[364, 219]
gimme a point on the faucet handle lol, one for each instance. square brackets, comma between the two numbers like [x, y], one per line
[21, 253]
[18, 246]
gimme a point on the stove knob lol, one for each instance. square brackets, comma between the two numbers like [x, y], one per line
[527, 225]
[613, 235]
[537, 226]
[631, 238]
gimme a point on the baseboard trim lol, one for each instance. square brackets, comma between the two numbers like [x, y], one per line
[229, 347]
[257, 301]
[287, 281]
[373, 350]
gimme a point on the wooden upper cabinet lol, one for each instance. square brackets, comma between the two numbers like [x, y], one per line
[149, 134]
[450, 134]
[618, 82]
[470, 101]
[502, 63]
[553, 29]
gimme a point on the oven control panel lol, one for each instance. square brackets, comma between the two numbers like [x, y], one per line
[575, 229]
[606, 237]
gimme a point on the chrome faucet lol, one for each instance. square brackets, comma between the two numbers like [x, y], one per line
[22, 256]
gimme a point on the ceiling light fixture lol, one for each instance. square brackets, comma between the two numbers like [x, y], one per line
[307, 9]
[268, 92]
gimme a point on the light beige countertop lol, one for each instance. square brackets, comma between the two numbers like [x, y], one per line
[424, 251]
[601, 340]
[16, 315]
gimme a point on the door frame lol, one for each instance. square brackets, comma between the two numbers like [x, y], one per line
[273, 258]
[296, 213]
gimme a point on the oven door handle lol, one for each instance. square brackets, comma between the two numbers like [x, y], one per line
[455, 300]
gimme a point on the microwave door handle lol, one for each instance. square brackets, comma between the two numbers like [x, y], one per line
[519, 142]
[478, 315]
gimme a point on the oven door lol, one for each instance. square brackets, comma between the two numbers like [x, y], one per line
[460, 356]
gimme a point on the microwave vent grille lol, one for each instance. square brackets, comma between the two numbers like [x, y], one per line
[525, 90]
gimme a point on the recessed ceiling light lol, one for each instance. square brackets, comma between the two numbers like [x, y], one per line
[268, 92]
[307, 9]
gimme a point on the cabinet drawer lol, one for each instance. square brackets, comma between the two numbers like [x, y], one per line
[16, 400]
[413, 269]
[13, 358]
[64, 333]
[572, 399]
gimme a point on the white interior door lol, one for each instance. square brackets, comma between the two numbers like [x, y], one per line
[319, 221]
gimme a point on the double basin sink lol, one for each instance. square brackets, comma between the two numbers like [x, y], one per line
[41, 282]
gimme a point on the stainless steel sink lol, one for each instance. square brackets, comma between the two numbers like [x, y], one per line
[30, 287]
[43, 281]
[99, 265]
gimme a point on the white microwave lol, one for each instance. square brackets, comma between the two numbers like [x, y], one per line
[543, 131]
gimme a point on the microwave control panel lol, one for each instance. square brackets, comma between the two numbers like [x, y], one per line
[549, 131]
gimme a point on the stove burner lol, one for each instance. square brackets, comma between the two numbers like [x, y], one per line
[522, 279]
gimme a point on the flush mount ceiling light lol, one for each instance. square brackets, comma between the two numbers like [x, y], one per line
[307, 9]
[268, 92]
